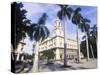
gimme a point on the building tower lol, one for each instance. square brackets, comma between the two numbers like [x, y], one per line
[58, 29]
[58, 36]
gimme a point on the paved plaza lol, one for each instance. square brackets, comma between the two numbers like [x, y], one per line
[57, 66]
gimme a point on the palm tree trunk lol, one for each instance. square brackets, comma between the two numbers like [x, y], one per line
[78, 45]
[92, 51]
[87, 46]
[19, 49]
[17, 59]
[36, 57]
[65, 45]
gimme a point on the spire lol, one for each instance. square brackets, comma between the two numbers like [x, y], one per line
[57, 23]
[57, 19]
[58, 28]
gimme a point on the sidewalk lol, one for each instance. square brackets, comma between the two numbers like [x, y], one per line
[91, 64]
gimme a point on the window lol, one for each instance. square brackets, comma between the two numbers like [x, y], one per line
[54, 43]
[60, 43]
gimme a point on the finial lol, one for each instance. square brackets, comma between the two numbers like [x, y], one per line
[57, 18]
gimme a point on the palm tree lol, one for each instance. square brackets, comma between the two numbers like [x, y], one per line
[93, 40]
[76, 18]
[84, 26]
[64, 13]
[40, 32]
[94, 31]
[90, 38]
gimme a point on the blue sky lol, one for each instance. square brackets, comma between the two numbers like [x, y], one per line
[35, 10]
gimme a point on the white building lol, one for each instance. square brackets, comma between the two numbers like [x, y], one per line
[57, 42]
[20, 51]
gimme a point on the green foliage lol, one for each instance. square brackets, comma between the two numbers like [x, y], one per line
[83, 48]
[28, 56]
[40, 31]
[48, 54]
[93, 31]
[84, 25]
[65, 11]
[19, 23]
[76, 18]
[92, 39]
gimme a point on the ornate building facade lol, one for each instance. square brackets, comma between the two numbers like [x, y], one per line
[56, 42]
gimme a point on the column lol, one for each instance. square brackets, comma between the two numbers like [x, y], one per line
[57, 54]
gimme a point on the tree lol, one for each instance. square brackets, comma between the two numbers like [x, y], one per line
[40, 32]
[49, 55]
[92, 35]
[64, 13]
[28, 56]
[93, 32]
[76, 19]
[19, 23]
[93, 39]
[19, 26]
[84, 26]
[83, 48]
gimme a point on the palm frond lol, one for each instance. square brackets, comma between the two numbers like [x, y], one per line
[84, 37]
[81, 26]
[41, 31]
[69, 12]
[76, 18]
[59, 14]
[30, 30]
[77, 10]
[64, 11]
[42, 19]
[61, 6]
[86, 20]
